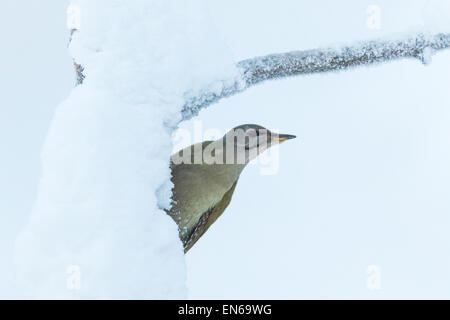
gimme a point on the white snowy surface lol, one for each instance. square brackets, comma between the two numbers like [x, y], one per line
[36, 75]
[107, 153]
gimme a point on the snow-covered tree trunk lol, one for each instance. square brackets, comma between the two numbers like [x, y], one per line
[97, 230]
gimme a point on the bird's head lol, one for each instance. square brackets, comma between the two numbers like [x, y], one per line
[247, 141]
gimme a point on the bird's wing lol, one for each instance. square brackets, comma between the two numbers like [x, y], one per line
[208, 218]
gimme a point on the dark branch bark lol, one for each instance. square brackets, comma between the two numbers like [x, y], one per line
[79, 72]
[78, 67]
[275, 66]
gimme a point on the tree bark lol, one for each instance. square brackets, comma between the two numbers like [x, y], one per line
[276, 66]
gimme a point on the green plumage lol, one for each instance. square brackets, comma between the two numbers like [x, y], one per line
[203, 191]
[200, 195]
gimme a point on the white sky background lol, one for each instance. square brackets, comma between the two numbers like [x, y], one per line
[365, 183]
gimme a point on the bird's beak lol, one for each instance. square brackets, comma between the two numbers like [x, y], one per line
[284, 137]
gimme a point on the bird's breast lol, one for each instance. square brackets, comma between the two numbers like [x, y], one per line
[197, 188]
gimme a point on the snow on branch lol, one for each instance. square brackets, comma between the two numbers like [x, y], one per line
[276, 66]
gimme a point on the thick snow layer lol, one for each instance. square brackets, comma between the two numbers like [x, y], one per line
[96, 230]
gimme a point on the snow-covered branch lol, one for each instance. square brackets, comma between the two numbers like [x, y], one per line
[275, 66]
